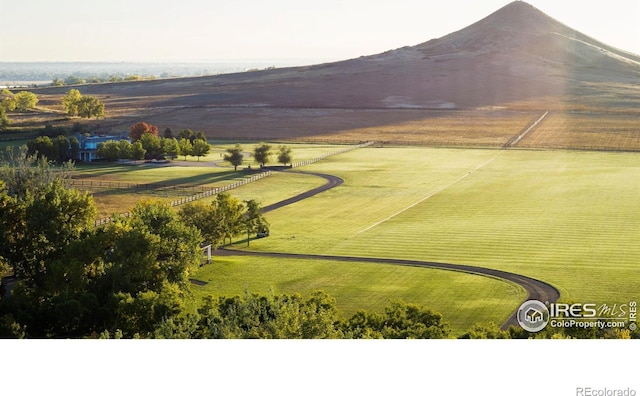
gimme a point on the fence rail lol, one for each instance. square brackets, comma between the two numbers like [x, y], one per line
[204, 194]
[217, 190]
[345, 150]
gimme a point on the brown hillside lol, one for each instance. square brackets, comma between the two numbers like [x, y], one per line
[516, 58]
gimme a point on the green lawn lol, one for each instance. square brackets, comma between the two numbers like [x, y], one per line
[465, 299]
[569, 218]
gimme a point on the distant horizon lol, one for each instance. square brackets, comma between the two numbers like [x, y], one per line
[330, 31]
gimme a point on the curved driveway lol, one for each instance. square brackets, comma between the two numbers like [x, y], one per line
[536, 289]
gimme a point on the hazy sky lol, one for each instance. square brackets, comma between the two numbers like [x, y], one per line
[199, 30]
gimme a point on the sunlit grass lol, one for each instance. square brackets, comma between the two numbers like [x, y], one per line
[569, 218]
[466, 300]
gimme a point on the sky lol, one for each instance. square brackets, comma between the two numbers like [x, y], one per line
[241, 30]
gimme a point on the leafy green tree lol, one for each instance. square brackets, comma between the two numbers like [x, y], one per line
[42, 147]
[25, 100]
[204, 217]
[224, 218]
[254, 221]
[109, 150]
[171, 147]
[137, 151]
[4, 120]
[151, 145]
[168, 133]
[400, 320]
[8, 102]
[234, 156]
[284, 155]
[200, 148]
[70, 102]
[485, 331]
[186, 148]
[125, 149]
[46, 221]
[62, 149]
[229, 213]
[74, 147]
[270, 316]
[186, 134]
[90, 106]
[261, 153]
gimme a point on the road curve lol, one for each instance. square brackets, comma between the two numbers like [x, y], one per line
[536, 289]
[332, 181]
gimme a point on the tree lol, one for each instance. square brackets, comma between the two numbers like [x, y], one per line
[140, 128]
[171, 147]
[8, 100]
[109, 150]
[46, 221]
[200, 148]
[137, 151]
[254, 220]
[186, 134]
[234, 156]
[90, 106]
[4, 120]
[400, 320]
[124, 149]
[42, 147]
[61, 149]
[221, 220]
[229, 213]
[70, 102]
[75, 147]
[284, 155]
[168, 133]
[75, 104]
[261, 153]
[151, 145]
[186, 148]
[25, 100]
[205, 218]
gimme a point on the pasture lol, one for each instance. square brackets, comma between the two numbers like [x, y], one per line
[568, 218]
[565, 217]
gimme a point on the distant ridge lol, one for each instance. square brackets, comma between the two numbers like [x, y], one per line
[516, 54]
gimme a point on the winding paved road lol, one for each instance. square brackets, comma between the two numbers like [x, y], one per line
[536, 289]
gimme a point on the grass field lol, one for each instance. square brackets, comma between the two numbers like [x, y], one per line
[466, 299]
[565, 217]
[568, 218]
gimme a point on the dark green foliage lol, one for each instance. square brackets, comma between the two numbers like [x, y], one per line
[399, 320]
[284, 155]
[261, 153]
[234, 156]
[200, 148]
